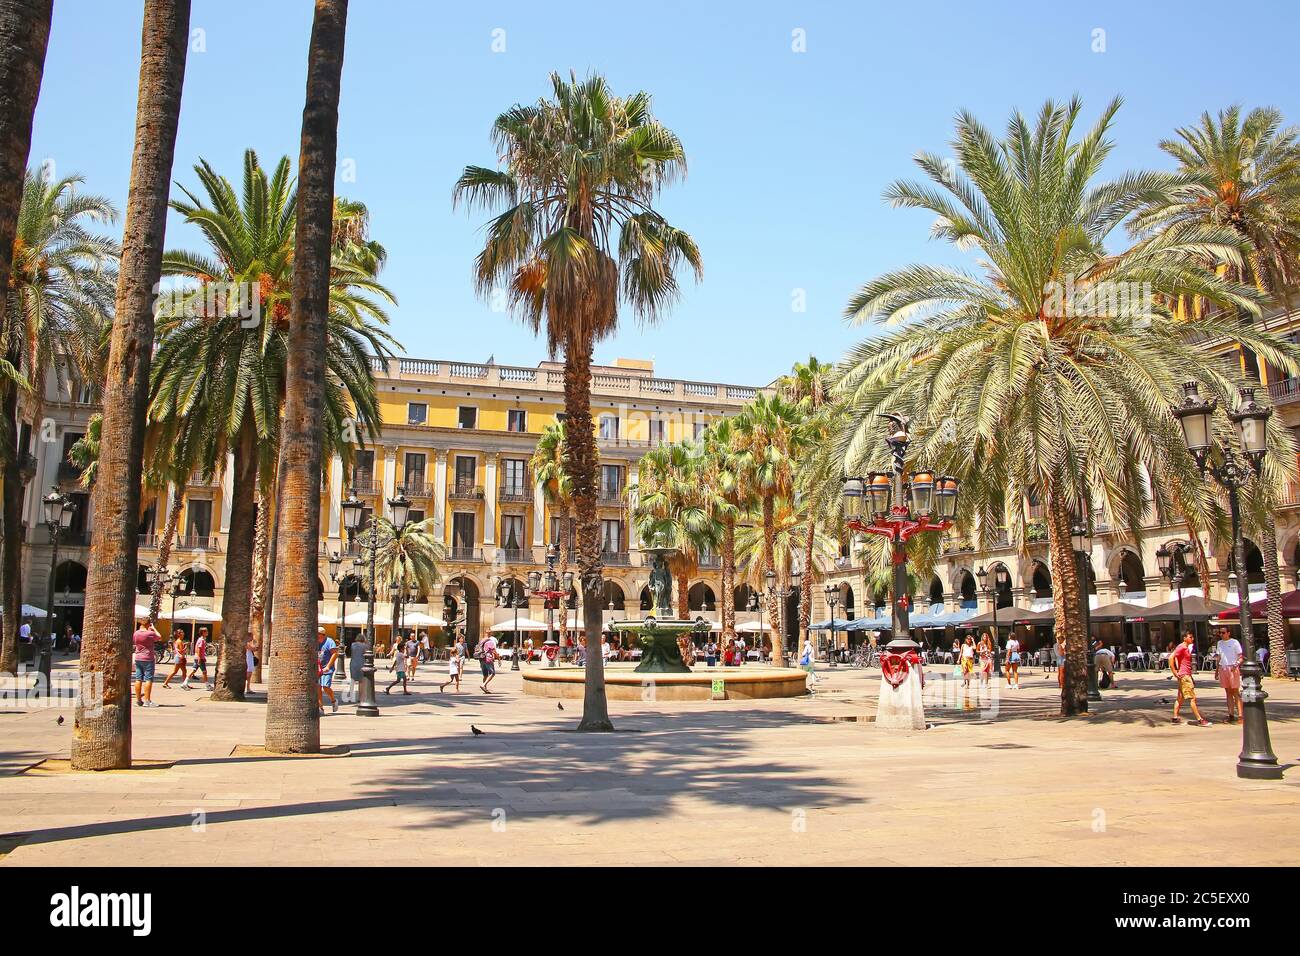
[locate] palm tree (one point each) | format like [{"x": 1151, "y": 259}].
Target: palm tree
[
  {"x": 673, "y": 509},
  {"x": 60, "y": 292},
  {"x": 730, "y": 502},
  {"x": 769, "y": 441},
  {"x": 101, "y": 738},
  {"x": 548, "y": 467},
  {"x": 219, "y": 378},
  {"x": 24, "y": 35},
  {"x": 577, "y": 234},
  {"x": 809, "y": 386},
  {"x": 291, "y": 716},
  {"x": 410, "y": 555},
  {"x": 1243, "y": 173},
  {"x": 1051, "y": 374}
]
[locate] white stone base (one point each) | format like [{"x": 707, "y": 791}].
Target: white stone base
[{"x": 901, "y": 708}]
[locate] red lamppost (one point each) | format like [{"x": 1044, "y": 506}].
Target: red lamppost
[
  {"x": 547, "y": 586},
  {"x": 899, "y": 510}
]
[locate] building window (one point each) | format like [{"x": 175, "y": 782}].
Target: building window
[
  {"x": 414, "y": 470},
  {"x": 417, "y": 413},
  {"x": 414, "y": 516},
  {"x": 561, "y": 533},
  {"x": 462, "y": 531},
  {"x": 198, "y": 518},
  {"x": 656, "y": 430},
  {"x": 514, "y": 476},
  {"x": 467, "y": 416},
  {"x": 363, "y": 468},
  {"x": 466, "y": 466},
  {"x": 512, "y": 532},
  {"x": 516, "y": 420},
  {"x": 700, "y": 429},
  {"x": 611, "y": 482},
  {"x": 611, "y": 536},
  {"x": 609, "y": 427}
]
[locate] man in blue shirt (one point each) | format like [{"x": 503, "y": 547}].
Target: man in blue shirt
[{"x": 328, "y": 652}]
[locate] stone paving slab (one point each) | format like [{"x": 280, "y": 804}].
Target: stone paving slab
[{"x": 808, "y": 781}]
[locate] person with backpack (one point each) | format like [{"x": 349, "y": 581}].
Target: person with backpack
[{"x": 486, "y": 652}]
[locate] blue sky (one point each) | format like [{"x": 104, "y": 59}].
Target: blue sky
[{"x": 789, "y": 151}]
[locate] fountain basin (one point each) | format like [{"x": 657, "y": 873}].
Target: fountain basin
[{"x": 624, "y": 682}]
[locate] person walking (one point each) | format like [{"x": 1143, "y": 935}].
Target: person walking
[
  {"x": 356, "y": 661},
  {"x": 1229, "y": 671},
  {"x": 453, "y": 673},
  {"x": 327, "y": 653},
  {"x": 250, "y": 662},
  {"x": 398, "y": 666},
  {"x": 200, "y": 660},
  {"x": 1182, "y": 664},
  {"x": 412, "y": 657},
  {"x": 144, "y": 657},
  {"x": 487, "y": 655},
  {"x": 985, "y": 654},
  {"x": 967, "y": 660},
  {"x": 178, "y": 660},
  {"x": 1013, "y": 662},
  {"x": 1058, "y": 652},
  {"x": 808, "y": 660}
]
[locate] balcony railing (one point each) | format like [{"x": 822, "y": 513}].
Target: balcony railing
[
  {"x": 474, "y": 555},
  {"x": 364, "y": 484},
  {"x": 466, "y": 492},
  {"x": 610, "y": 497},
  {"x": 515, "y": 493},
  {"x": 418, "y": 488},
  {"x": 618, "y": 559},
  {"x": 710, "y": 561},
  {"x": 183, "y": 542},
  {"x": 516, "y": 555},
  {"x": 1285, "y": 391},
  {"x": 198, "y": 481}
]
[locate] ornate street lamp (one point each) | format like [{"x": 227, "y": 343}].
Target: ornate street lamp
[
  {"x": 1000, "y": 579},
  {"x": 1081, "y": 541},
  {"x": 832, "y": 592},
  {"x": 58, "y": 510},
  {"x": 900, "y": 510},
  {"x": 1225, "y": 464},
  {"x": 546, "y": 585},
  {"x": 1172, "y": 559},
  {"x": 506, "y": 597},
  {"x": 342, "y": 579}
]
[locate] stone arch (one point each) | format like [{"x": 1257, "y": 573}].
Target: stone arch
[
  {"x": 1002, "y": 593},
  {"x": 198, "y": 581},
  {"x": 70, "y": 577},
  {"x": 1040, "y": 579},
  {"x": 700, "y": 597},
  {"x": 613, "y": 599},
  {"x": 743, "y": 596},
  {"x": 936, "y": 589}
]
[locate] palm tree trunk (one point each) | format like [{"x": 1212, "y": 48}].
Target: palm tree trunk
[
  {"x": 1277, "y": 626},
  {"x": 566, "y": 523},
  {"x": 237, "y": 598},
  {"x": 774, "y": 617},
  {"x": 165, "y": 552},
  {"x": 683, "y": 602},
  {"x": 101, "y": 736},
  {"x": 1065, "y": 597},
  {"x": 728, "y": 580},
  {"x": 292, "y": 724},
  {"x": 268, "y": 633},
  {"x": 580, "y": 462},
  {"x": 261, "y": 540},
  {"x": 24, "y": 34},
  {"x": 805, "y": 587}
]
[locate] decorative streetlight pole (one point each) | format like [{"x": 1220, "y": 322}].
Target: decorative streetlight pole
[
  {"x": 58, "y": 510},
  {"x": 1172, "y": 559},
  {"x": 1250, "y": 421},
  {"x": 832, "y": 601},
  {"x": 341, "y": 578},
  {"x": 506, "y": 597},
  {"x": 769, "y": 588},
  {"x": 1000, "y": 579},
  {"x": 933, "y": 505},
  {"x": 546, "y": 585},
  {"x": 1080, "y": 541},
  {"x": 353, "y": 509}
]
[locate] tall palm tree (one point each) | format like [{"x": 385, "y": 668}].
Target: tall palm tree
[
  {"x": 1242, "y": 172},
  {"x": 410, "y": 555},
  {"x": 219, "y": 379},
  {"x": 291, "y": 718},
  {"x": 24, "y": 35},
  {"x": 101, "y": 737},
  {"x": 577, "y": 234},
  {"x": 1051, "y": 374},
  {"x": 674, "y": 508},
  {"x": 808, "y": 385},
  {"x": 769, "y": 441},
  {"x": 730, "y": 501},
  {"x": 548, "y": 466}
]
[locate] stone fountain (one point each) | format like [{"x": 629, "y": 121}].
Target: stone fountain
[{"x": 657, "y": 635}]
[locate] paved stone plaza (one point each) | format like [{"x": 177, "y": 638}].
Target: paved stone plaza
[{"x": 808, "y": 781}]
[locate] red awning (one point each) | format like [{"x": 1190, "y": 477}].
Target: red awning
[{"x": 1258, "y": 609}]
